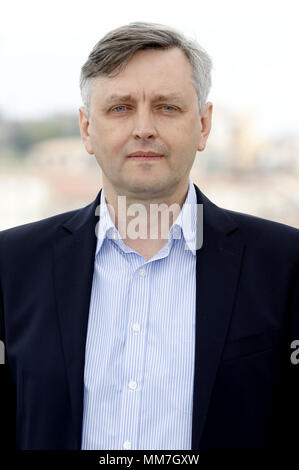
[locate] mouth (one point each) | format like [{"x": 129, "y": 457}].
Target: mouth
[
  {"x": 145, "y": 156},
  {"x": 142, "y": 158}
]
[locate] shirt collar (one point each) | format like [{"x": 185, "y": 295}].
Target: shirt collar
[{"x": 185, "y": 222}]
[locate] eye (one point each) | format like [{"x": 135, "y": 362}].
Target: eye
[
  {"x": 168, "y": 106},
  {"x": 117, "y": 107}
]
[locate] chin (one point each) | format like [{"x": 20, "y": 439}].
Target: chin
[{"x": 148, "y": 185}]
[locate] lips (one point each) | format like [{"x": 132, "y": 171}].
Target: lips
[{"x": 141, "y": 154}]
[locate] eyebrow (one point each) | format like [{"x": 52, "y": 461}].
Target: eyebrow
[{"x": 158, "y": 97}]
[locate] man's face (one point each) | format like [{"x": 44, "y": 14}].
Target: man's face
[{"x": 156, "y": 109}]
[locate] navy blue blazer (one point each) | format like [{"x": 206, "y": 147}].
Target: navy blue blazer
[{"x": 246, "y": 387}]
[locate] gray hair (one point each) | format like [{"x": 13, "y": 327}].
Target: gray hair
[{"x": 115, "y": 49}]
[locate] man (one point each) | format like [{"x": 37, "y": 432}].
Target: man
[{"x": 121, "y": 342}]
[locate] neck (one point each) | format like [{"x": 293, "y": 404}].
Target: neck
[{"x": 149, "y": 219}]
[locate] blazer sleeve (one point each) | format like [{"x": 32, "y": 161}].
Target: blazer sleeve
[{"x": 7, "y": 387}]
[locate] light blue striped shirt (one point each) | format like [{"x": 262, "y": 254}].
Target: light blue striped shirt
[{"x": 139, "y": 357}]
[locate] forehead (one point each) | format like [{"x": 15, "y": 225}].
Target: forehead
[{"x": 152, "y": 72}]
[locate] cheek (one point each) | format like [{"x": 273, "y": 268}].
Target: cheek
[
  {"x": 106, "y": 139},
  {"x": 184, "y": 146},
  {"x": 183, "y": 137}
]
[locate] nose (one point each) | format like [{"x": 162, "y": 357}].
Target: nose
[{"x": 144, "y": 127}]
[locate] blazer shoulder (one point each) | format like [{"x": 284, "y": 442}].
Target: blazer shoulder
[
  {"x": 266, "y": 233},
  {"x": 40, "y": 229},
  {"x": 254, "y": 221}
]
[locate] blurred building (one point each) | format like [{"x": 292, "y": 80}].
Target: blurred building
[
  {"x": 23, "y": 197},
  {"x": 73, "y": 175}
]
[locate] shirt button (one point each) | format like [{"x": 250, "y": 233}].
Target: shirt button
[
  {"x": 136, "y": 328},
  {"x": 132, "y": 385},
  {"x": 142, "y": 272},
  {"x": 127, "y": 445},
  {"x": 114, "y": 236}
]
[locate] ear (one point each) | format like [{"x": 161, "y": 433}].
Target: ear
[
  {"x": 84, "y": 129},
  {"x": 206, "y": 122}
]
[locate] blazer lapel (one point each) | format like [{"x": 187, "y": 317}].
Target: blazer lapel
[
  {"x": 74, "y": 251},
  {"x": 218, "y": 264}
]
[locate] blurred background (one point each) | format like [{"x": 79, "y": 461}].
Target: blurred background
[{"x": 251, "y": 162}]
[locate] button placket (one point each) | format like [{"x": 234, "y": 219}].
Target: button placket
[{"x": 134, "y": 355}]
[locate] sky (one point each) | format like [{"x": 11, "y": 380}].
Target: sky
[{"x": 253, "y": 46}]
